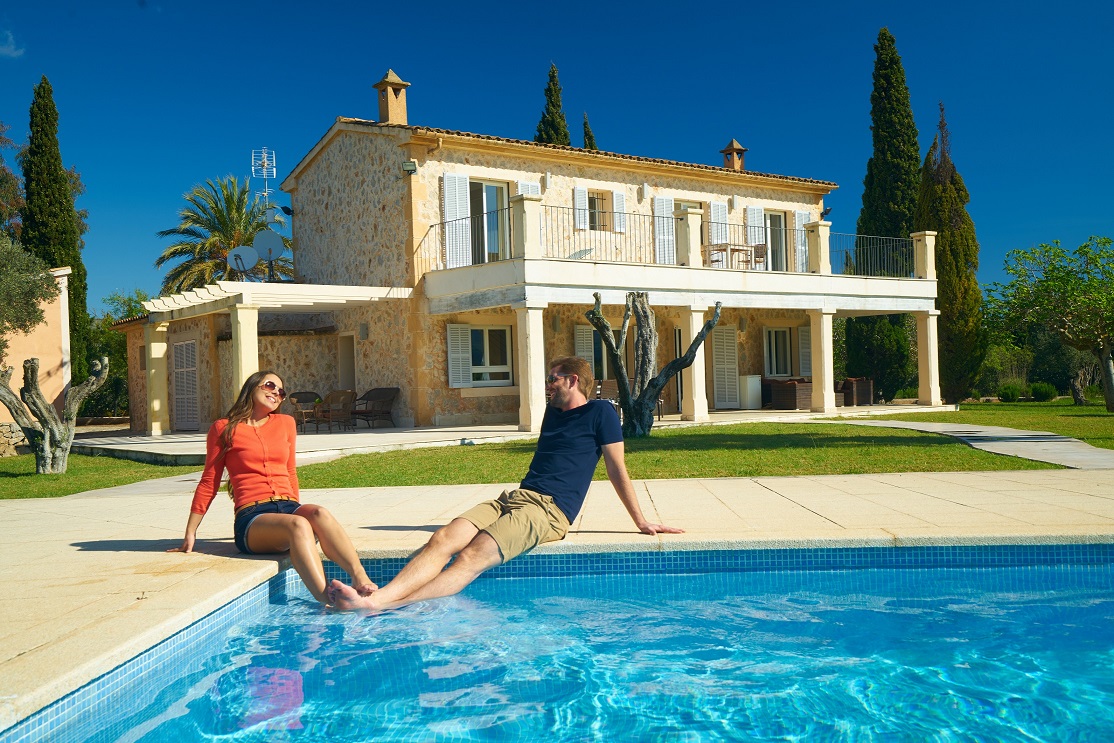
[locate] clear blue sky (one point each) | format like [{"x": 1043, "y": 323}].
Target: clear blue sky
[{"x": 158, "y": 95}]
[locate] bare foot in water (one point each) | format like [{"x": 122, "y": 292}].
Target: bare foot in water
[{"x": 346, "y": 598}]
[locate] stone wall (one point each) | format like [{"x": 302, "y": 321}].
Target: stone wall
[
  {"x": 350, "y": 227},
  {"x": 137, "y": 378},
  {"x": 11, "y": 436}
]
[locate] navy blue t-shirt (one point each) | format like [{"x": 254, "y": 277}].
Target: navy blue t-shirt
[{"x": 569, "y": 448}]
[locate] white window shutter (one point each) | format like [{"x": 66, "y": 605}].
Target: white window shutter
[
  {"x": 725, "y": 367},
  {"x": 801, "y": 219},
  {"x": 619, "y": 206},
  {"x": 718, "y": 226},
  {"x": 585, "y": 346},
  {"x": 665, "y": 234},
  {"x": 756, "y": 226},
  {"x": 804, "y": 345},
  {"x": 185, "y": 386},
  {"x": 526, "y": 187},
  {"x": 458, "y": 233},
  {"x": 580, "y": 208},
  {"x": 460, "y": 355}
]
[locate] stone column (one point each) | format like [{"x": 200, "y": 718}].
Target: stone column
[
  {"x": 924, "y": 255},
  {"x": 532, "y": 369},
  {"x": 693, "y": 379},
  {"x": 526, "y": 217},
  {"x": 688, "y": 237},
  {"x": 928, "y": 358},
  {"x": 819, "y": 251},
  {"x": 158, "y": 389},
  {"x": 823, "y": 365},
  {"x": 245, "y": 345}
]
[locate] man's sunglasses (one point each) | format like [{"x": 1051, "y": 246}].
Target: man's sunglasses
[
  {"x": 551, "y": 378},
  {"x": 272, "y": 387}
]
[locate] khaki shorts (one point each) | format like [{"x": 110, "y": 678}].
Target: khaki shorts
[{"x": 519, "y": 520}]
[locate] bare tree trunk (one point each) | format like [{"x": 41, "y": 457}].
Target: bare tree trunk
[
  {"x": 1106, "y": 363},
  {"x": 49, "y": 437},
  {"x": 1077, "y": 388},
  {"x": 640, "y": 402}
]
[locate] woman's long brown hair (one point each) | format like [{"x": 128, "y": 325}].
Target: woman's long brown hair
[{"x": 241, "y": 409}]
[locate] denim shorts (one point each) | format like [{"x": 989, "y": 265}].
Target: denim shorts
[{"x": 245, "y": 516}]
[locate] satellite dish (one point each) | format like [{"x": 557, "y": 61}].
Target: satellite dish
[
  {"x": 268, "y": 244},
  {"x": 243, "y": 259}
]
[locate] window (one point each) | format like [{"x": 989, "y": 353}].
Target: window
[
  {"x": 775, "y": 232},
  {"x": 477, "y": 221},
  {"x": 479, "y": 356},
  {"x": 599, "y": 210},
  {"x": 778, "y": 361},
  {"x": 487, "y": 204}
]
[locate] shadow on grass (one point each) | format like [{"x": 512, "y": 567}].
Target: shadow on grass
[{"x": 666, "y": 441}]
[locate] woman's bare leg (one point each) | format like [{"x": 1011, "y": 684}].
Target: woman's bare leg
[
  {"x": 279, "y": 532},
  {"x": 337, "y": 546}
]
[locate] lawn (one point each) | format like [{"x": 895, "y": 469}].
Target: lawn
[
  {"x": 743, "y": 450},
  {"x": 1090, "y": 423},
  {"x": 18, "y": 478}
]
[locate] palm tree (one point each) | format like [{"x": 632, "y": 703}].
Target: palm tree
[{"x": 217, "y": 218}]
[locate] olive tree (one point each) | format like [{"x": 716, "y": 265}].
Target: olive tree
[{"x": 638, "y": 398}]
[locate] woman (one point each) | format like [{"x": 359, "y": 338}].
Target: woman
[{"x": 256, "y": 445}]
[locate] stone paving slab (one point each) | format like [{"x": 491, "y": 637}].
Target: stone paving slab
[{"x": 88, "y": 584}]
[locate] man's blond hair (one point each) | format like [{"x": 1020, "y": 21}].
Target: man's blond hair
[{"x": 582, "y": 369}]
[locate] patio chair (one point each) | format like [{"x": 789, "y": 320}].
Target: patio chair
[
  {"x": 375, "y": 405},
  {"x": 336, "y": 408},
  {"x": 303, "y": 408},
  {"x": 759, "y": 255}
]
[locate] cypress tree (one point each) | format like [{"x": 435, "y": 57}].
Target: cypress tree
[
  {"x": 50, "y": 224},
  {"x": 942, "y": 206},
  {"x": 553, "y": 128},
  {"x": 889, "y": 202},
  {"x": 589, "y": 138}
]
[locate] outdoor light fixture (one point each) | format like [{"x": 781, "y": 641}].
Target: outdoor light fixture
[{"x": 410, "y": 167}]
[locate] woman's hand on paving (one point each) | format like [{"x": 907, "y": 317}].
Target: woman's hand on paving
[{"x": 187, "y": 545}]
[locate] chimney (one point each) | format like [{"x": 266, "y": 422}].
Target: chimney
[
  {"x": 392, "y": 99},
  {"x": 733, "y": 156}
]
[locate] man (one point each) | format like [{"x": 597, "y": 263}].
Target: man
[{"x": 575, "y": 432}]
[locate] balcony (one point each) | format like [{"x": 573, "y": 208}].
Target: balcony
[{"x": 527, "y": 229}]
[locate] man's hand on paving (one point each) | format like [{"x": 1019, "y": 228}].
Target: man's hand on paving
[{"x": 652, "y": 529}]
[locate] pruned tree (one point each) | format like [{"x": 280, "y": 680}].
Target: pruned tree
[
  {"x": 639, "y": 399},
  {"x": 553, "y": 128},
  {"x": 50, "y": 437},
  {"x": 589, "y": 137}
]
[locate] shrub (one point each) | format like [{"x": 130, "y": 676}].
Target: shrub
[
  {"x": 1009, "y": 393},
  {"x": 1043, "y": 391},
  {"x": 908, "y": 393}
]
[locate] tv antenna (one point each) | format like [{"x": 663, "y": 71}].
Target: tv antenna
[{"x": 263, "y": 166}]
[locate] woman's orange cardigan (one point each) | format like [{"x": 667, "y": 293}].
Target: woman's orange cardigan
[{"x": 260, "y": 463}]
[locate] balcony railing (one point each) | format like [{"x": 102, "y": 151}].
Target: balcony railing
[
  {"x": 581, "y": 234},
  {"x": 622, "y": 237},
  {"x": 468, "y": 241},
  {"x": 865, "y": 255}
]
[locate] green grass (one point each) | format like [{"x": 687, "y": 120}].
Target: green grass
[
  {"x": 18, "y": 478},
  {"x": 1090, "y": 423},
  {"x": 744, "y": 450}
]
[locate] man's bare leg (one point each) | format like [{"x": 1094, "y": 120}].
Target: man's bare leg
[
  {"x": 480, "y": 555},
  {"x": 422, "y": 568}
]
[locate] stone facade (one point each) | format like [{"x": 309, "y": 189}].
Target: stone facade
[{"x": 11, "y": 436}]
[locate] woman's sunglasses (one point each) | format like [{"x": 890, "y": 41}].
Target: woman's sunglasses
[{"x": 272, "y": 387}]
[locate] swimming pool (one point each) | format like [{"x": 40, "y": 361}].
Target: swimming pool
[{"x": 975, "y": 643}]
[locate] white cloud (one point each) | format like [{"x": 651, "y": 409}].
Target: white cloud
[{"x": 7, "y": 47}]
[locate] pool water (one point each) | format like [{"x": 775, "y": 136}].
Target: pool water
[{"x": 1003, "y": 654}]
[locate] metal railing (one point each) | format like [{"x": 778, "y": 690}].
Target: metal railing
[
  {"x": 866, "y": 255},
  {"x": 468, "y": 241},
  {"x": 580, "y": 234},
  {"x": 754, "y": 248}
]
